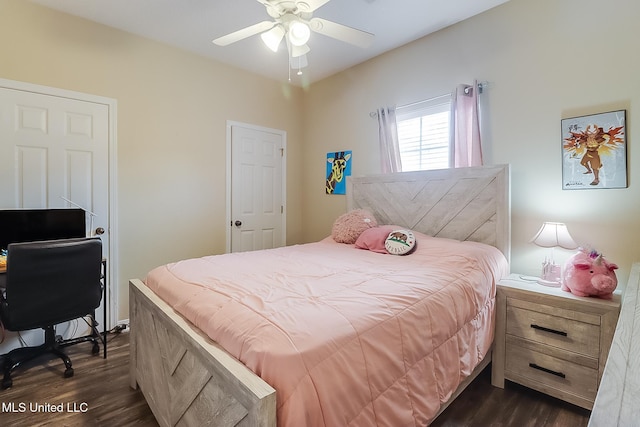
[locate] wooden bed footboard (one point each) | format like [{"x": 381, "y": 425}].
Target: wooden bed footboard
[{"x": 186, "y": 378}]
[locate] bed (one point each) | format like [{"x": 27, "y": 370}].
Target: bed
[{"x": 331, "y": 361}]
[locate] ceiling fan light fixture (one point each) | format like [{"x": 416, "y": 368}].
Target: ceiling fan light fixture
[
  {"x": 293, "y": 21},
  {"x": 298, "y": 51},
  {"x": 273, "y": 37},
  {"x": 299, "y": 33}
]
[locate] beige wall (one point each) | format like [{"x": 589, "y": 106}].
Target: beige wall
[
  {"x": 172, "y": 113},
  {"x": 545, "y": 60}
]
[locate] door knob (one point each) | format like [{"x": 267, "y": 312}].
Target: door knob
[
  {"x": 238, "y": 223},
  {"x": 99, "y": 231}
]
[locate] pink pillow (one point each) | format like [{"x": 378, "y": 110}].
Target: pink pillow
[
  {"x": 348, "y": 227},
  {"x": 374, "y": 239}
]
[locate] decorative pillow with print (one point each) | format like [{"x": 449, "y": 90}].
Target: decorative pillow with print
[{"x": 400, "y": 242}]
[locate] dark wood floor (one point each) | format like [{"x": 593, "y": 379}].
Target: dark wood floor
[
  {"x": 99, "y": 395},
  {"x": 482, "y": 405},
  {"x": 100, "y": 384}
]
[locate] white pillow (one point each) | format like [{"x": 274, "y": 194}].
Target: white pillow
[{"x": 400, "y": 242}]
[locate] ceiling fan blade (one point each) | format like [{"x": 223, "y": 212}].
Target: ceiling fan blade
[
  {"x": 341, "y": 32},
  {"x": 244, "y": 33},
  {"x": 310, "y": 5}
]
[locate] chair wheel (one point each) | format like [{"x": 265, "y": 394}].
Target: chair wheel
[
  {"x": 95, "y": 349},
  {"x": 7, "y": 383},
  {"x": 68, "y": 372}
]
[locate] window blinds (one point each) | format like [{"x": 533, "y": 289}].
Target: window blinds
[{"x": 423, "y": 134}]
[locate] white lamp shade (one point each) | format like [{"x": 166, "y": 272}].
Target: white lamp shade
[
  {"x": 553, "y": 234},
  {"x": 273, "y": 37},
  {"x": 297, "y": 51},
  {"x": 299, "y": 33}
]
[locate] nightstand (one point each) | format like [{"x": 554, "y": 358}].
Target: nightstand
[{"x": 551, "y": 340}]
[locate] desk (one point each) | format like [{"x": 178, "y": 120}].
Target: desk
[{"x": 3, "y": 276}]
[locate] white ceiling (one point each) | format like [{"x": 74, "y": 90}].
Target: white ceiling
[{"x": 192, "y": 24}]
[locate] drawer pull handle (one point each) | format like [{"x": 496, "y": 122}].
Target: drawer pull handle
[
  {"x": 549, "y": 371},
  {"x": 553, "y": 331}
]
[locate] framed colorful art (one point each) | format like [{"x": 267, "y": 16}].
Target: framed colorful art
[
  {"x": 338, "y": 166},
  {"x": 594, "y": 151}
]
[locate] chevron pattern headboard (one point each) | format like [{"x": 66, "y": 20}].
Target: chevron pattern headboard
[{"x": 458, "y": 203}]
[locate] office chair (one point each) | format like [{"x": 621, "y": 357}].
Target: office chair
[{"x": 48, "y": 283}]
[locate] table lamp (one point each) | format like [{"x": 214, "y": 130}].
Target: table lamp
[{"x": 551, "y": 235}]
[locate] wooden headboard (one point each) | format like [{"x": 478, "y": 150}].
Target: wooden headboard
[{"x": 458, "y": 203}]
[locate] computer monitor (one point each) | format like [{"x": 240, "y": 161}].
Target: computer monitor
[{"x": 30, "y": 225}]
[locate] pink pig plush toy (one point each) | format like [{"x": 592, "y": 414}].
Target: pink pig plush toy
[{"x": 587, "y": 273}]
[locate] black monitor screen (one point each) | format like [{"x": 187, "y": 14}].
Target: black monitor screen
[{"x": 30, "y": 225}]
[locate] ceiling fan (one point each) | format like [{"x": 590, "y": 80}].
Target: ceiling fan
[{"x": 293, "y": 21}]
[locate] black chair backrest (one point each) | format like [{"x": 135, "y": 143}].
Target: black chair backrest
[{"x": 51, "y": 282}]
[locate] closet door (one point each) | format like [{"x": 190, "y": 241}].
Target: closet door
[
  {"x": 257, "y": 217},
  {"x": 54, "y": 153}
]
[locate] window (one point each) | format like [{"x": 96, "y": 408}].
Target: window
[{"x": 423, "y": 134}]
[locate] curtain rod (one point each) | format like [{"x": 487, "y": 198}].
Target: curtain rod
[
  {"x": 435, "y": 98},
  {"x": 481, "y": 87},
  {"x": 374, "y": 114}
]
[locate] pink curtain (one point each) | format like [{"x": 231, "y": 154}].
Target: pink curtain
[
  {"x": 388, "y": 136},
  {"x": 465, "y": 127}
]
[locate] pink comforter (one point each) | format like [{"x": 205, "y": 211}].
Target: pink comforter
[{"x": 346, "y": 336}]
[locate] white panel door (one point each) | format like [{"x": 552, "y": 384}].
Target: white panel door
[
  {"x": 54, "y": 148},
  {"x": 257, "y": 188}
]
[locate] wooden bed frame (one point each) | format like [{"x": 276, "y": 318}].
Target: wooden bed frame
[{"x": 187, "y": 379}]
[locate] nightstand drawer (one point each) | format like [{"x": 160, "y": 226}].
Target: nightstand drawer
[
  {"x": 557, "y": 331},
  {"x": 547, "y": 373}
]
